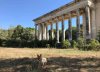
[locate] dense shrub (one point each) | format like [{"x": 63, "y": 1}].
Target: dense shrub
[
  {"x": 93, "y": 44},
  {"x": 97, "y": 48},
  {"x": 59, "y": 45},
  {"x": 80, "y": 43},
  {"x": 43, "y": 43},
  {"x": 47, "y": 45},
  {"x": 65, "y": 44},
  {"x": 88, "y": 45},
  {"x": 24, "y": 43},
  {"x": 74, "y": 44},
  {"x": 3, "y": 42},
  {"x": 52, "y": 43},
  {"x": 0, "y": 42},
  {"x": 12, "y": 43}
]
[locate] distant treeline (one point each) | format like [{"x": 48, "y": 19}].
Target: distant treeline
[
  {"x": 25, "y": 37},
  {"x": 16, "y": 36}
]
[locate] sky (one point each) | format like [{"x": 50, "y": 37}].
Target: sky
[{"x": 15, "y": 12}]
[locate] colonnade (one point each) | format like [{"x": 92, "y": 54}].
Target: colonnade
[{"x": 43, "y": 27}]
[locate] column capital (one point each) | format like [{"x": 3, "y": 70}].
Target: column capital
[
  {"x": 51, "y": 20},
  {"x": 69, "y": 14},
  {"x": 63, "y": 17},
  {"x": 42, "y": 23},
  {"x": 78, "y": 12},
  {"x": 56, "y": 19}
]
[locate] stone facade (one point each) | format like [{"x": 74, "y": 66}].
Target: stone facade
[{"x": 88, "y": 9}]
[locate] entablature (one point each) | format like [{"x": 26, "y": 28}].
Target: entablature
[{"x": 64, "y": 10}]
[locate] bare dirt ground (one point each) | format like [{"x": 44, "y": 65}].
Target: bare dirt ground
[{"x": 59, "y": 60}]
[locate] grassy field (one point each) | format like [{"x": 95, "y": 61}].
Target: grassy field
[
  {"x": 59, "y": 60},
  {"x": 6, "y": 53}
]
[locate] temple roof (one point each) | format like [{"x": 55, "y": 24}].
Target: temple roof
[{"x": 58, "y": 9}]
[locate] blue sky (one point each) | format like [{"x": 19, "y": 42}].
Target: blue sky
[{"x": 15, "y": 12}]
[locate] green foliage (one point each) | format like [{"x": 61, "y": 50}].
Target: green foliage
[
  {"x": 65, "y": 44},
  {"x": 80, "y": 43},
  {"x": 17, "y": 37},
  {"x": 89, "y": 45},
  {"x": 12, "y": 43},
  {"x": 48, "y": 45},
  {"x": 22, "y": 36},
  {"x": 21, "y": 33},
  {"x": 93, "y": 44},
  {"x": 18, "y": 31},
  {"x": 3, "y": 34},
  {"x": 74, "y": 44},
  {"x": 0, "y": 42},
  {"x": 25, "y": 37},
  {"x": 52, "y": 43}
]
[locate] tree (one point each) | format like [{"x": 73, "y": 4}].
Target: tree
[
  {"x": 22, "y": 35},
  {"x": 3, "y": 34},
  {"x": 26, "y": 35},
  {"x": 18, "y": 32},
  {"x": 10, "y": 32}
]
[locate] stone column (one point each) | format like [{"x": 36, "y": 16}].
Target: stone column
[
  {"x": 43, "y": 31},
  {"x": 63, "y": 29},
  {"x": 51, "y": 31},
  {"x": 93, "y": 26},
  {"x": 88, "y": 22},
  {"x": 35, "y": 31},
  {"x": 70, "y": 29},
  {"x": 84, "y": 26},
  {"x": 47, "y": 32},
  {"x": 78, "y": 24},
  {"x": 40, "y": 32},
  {"x": 48, "y": 35},
  {"x": 57, "y": 31}
]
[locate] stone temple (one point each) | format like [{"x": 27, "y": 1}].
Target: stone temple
[{"x": 88, "y": 9}]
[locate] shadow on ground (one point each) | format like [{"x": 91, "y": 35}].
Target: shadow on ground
[{"x": 55, "y": 64}]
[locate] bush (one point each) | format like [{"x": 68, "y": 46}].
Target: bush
[
  {"x": 47, "y": 45},
  {"x": 12, "y": 43},
  {"x": 52, "y": 43},
  {"x": 44, "y": 43},
  {"x": 97, "y": 48},
  {"x": 0, "y": 42},
  {"x": 65, "y": 44},
  {"x": 94, "y": 44},
  {"x": 89, "y": 45},
  {"x": 59, "y": 45},
  {"x": 80, "y": 43},
  {"x": 86, "y": 47},
  {"x": 74, "y": 44}
]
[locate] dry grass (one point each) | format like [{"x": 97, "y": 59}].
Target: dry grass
[
  {"x": 59, "y": 60},
  {"x": 6, "y": 53}
]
